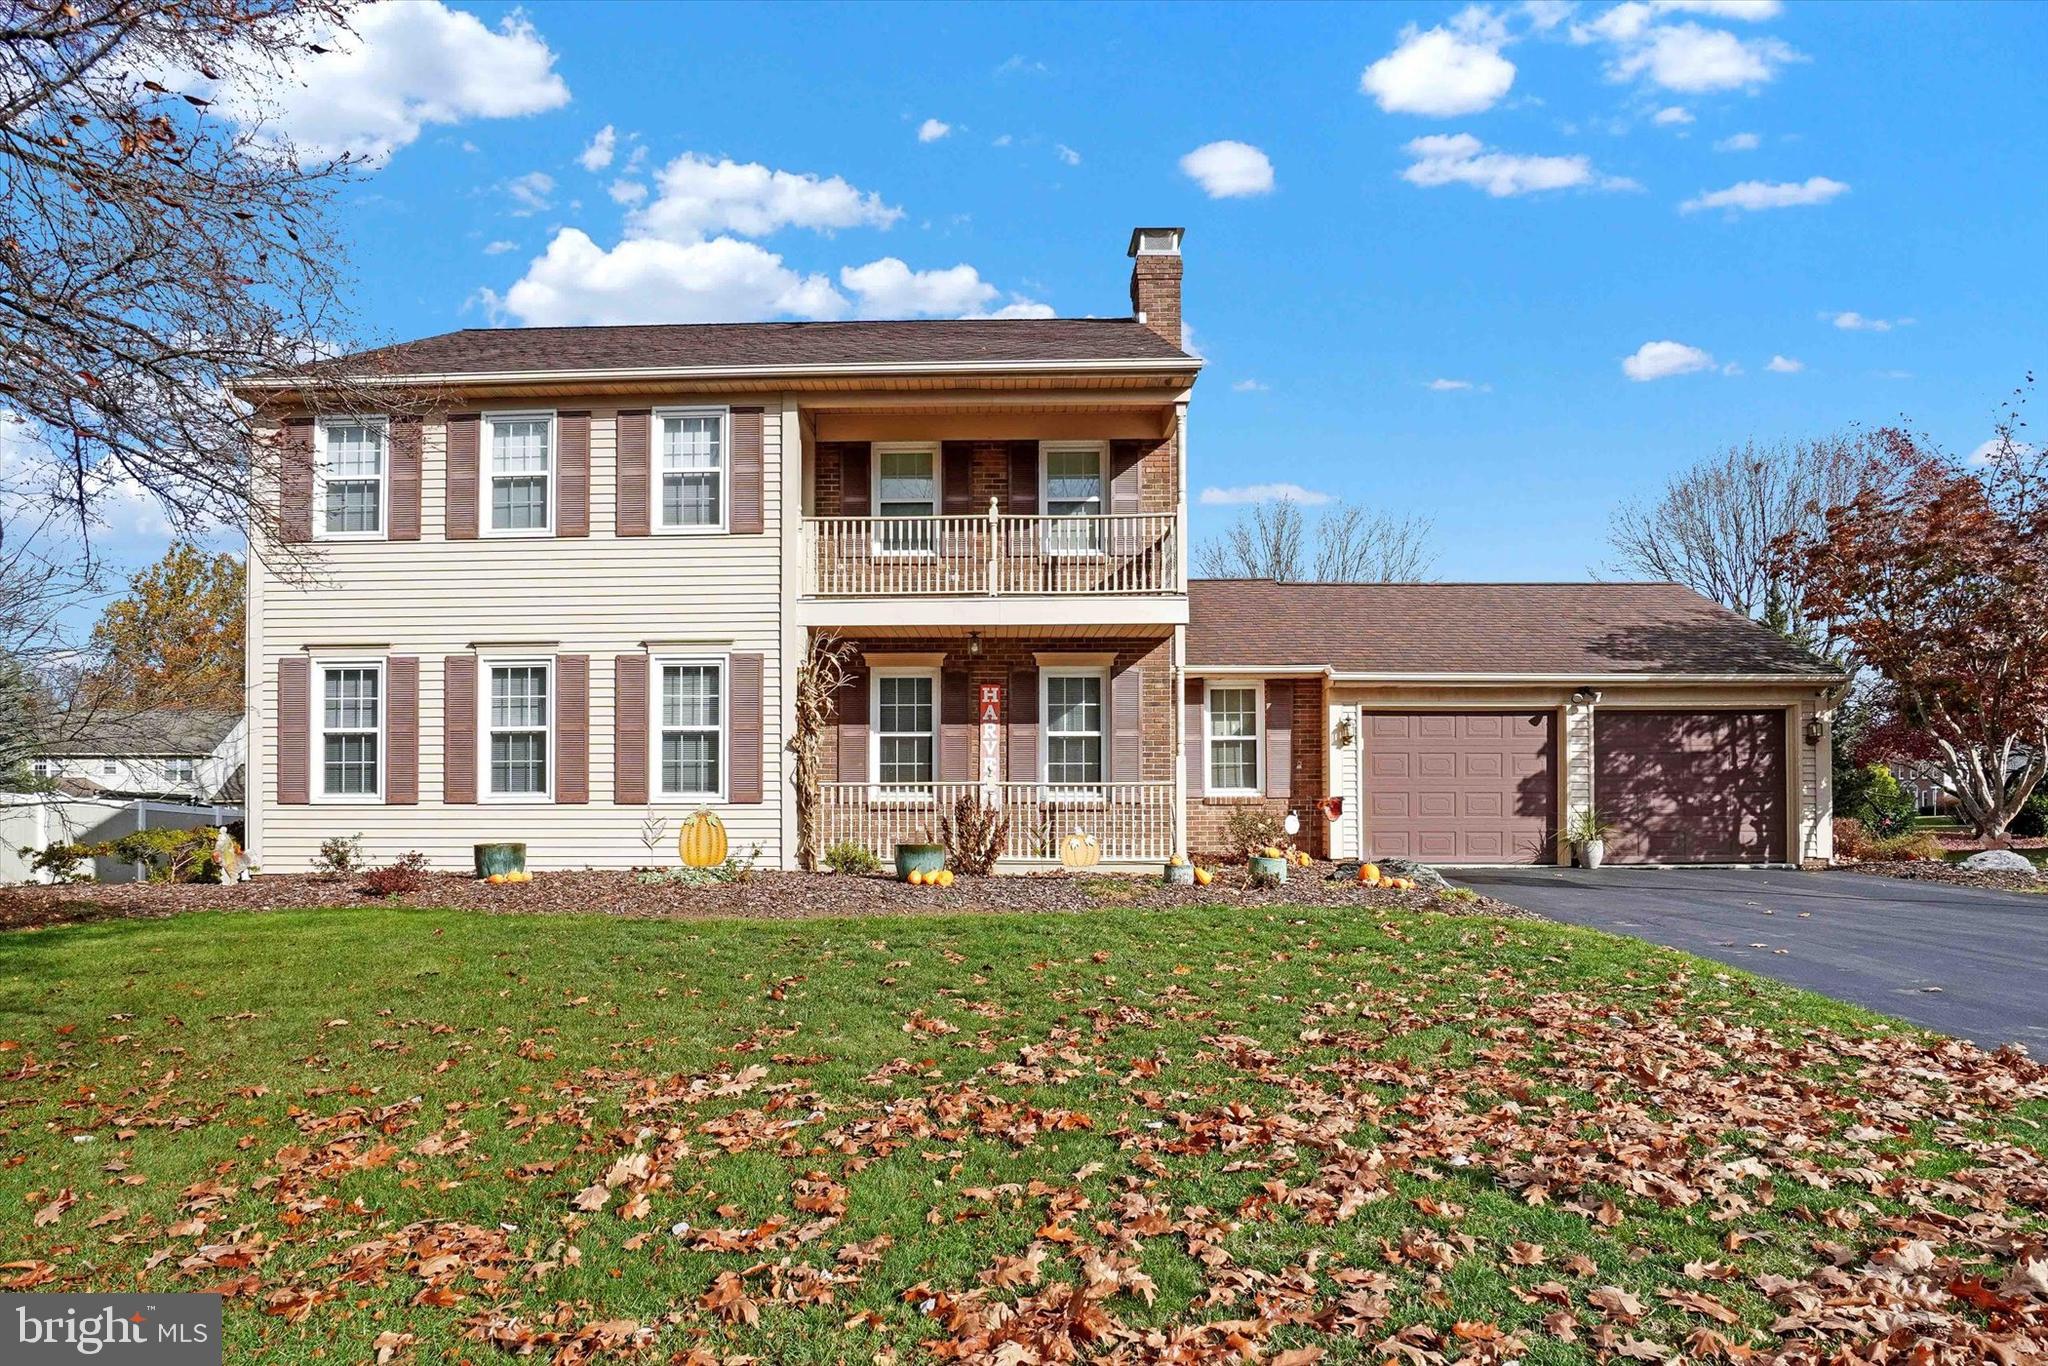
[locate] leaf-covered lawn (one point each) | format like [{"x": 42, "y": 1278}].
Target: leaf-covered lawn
[{"x": 1140, "y": 1136}]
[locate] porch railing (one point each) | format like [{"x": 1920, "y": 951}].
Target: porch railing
[
  {"x": 1131, "y": 822},
  {"x": 992, "y": 555}
]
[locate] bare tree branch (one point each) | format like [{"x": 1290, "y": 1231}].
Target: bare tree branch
[{"x": 1349, "y": 544}]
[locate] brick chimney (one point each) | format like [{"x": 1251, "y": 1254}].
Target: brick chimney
[{"x": 1155, "y": 280}]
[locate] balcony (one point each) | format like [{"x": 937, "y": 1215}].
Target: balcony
[{"x": 1131, "y": 822}]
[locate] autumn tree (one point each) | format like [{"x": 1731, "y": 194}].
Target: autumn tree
[
  {"x": 176, "y": 639},
  {"x": 1347, "y": 543},
  {"x": 1936, "y": 575}
]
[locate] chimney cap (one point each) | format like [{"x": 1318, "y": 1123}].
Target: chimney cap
[{"x": 1156, "y": 241}]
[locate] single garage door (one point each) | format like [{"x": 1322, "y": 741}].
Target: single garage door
[
  {"x": 1461, "y": 787},
  {"x": 1691, "y": 786}
]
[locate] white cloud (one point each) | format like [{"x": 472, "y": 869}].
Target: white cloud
[
  {"x": 1018, "y": 307},
  {"x": 404, "y": 67},
  {"x": 628, "y": 192},
  {"x": 500, "y": 247},
  {"x": 1001, "y": 140},
  {"x": 1440, "y": 73},
  {"x": 890, "y": 289},
  {"x": 1749, "y": 11},
  {"x": 1229, "y": 170},
  {"x": 1685, "y": 56},
  {"x": 1856, "y": 322},
  {"x": 697, "y": 196},
  {"x": 1750, "y": 196},
  {"x": 1738, "y": 142},
  {"x": 598, "y": 154},
  {"x": 1785, "y": 365},
  {"x": 532, "y": 192},
  {"x": 1461, "y": 159},
  {"x": 1263, "y": 493},
  {"x": 1989, "y": 449},
  {"x": 1251, "y": 386},
  {"x": 1663, "y": 359},
  {"x": 647, "y": 280},
  {"x": 1545, "y": 15},
  {"x": 1018, "y": 64},
  {"x": 1673, "y": 115},
  {"x": 1451, "y": 386},
  {"x": 1066, "y": 154},
  {"x": 931, "y": 130}
]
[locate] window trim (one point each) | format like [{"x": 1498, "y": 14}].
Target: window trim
[
  {"x": 320, "y": 479},
  {"x": 1048, "y": 790},
  {"x": 876, "y": 519},
  {"x": 1093, "y": 548},
  {"x": 1257, "y": 688},
  {"x": 902, "y": 794},
  {"x": 486, "y": 477},
  {"x": 485, "y": 664},
  {"x": 657, "y": 663},
  {"x": 317, "y": 745},
  {"x": 724, "y": 416},
  {"x": 191, "y": 765},
  {"x": 44, "y": 767}
]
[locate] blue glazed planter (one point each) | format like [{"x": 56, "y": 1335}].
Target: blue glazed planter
[
  {"x": 1269, "y": 869},
  {"x": 919, "y": 858},
  {"x": 499, "y": 858}
]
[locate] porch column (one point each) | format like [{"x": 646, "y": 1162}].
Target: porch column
[
  {"x": 794, "y": 462},
  {"x": 1179, "y": 731}
]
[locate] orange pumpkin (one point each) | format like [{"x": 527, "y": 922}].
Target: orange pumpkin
[
  {"x": 1203, "y": 877},
  {"x": 702, "y": 841},
  {"x": 1369, "y": 874}
]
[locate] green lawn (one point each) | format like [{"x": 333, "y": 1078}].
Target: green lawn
[{"x": 820, "y": 1141}]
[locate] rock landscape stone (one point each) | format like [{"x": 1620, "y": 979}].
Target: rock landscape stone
[{"x": 1998, "y": 861}]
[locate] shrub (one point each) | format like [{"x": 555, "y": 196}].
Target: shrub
[
  {"x": 974, "y": 835},
  {"x": 852, "y": 859},
  {"x": 1852, "y": 840},
  {"x": 60, "y": 860},
  {"x": 1907, "y": 848},
  {"x": 1885, "y": 807},
  {"x": 1250, "y": 829},
  {"x": 2032, "y": 822},
  {"x": 404, "y": 876},
  {"x": 169, "y": 855},
  {"x": 339, "y": 856}
]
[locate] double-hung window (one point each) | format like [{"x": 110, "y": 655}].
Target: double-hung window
[
  {"x": 693, "y": 470},
  {"x": 1074, "y": 487},
  {"x": 181, "y": 770},
  {"x": 43, "y": 768},
  {"x": 689, "y": 728},
  {"x": 520, "y": 475},
  {"x": 518, "y": 700},
  {"x": 906, "y": 730},
  {"x": 351, "y": 468},
  {"x": 351, "y": 731},
  {"x": 906, "y": 487},
  {"x": 1074, "y": 731},
  {"x": 1233, "y": 739}
]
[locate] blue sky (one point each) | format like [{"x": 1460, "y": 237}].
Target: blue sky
[{"x": 1514, "y": 199}]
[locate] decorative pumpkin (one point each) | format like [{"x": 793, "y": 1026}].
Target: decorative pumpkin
[
  {"x": 1080, "y": 851},
  {"x": 702, "y": 841},
  {"x": 1203, "y": 877},
  {"x": 1272, "y": 851},
  {"x": 1369, "y": 874},
  {"x": 916, "y": 878},
  {"x": 945, "y": 877}
]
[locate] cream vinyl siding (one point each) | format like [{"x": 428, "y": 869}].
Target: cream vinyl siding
[{"x": 602, "y": 595}]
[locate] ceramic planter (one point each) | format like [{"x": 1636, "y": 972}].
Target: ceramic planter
[
  {"x": 1269, "y": 870},
  {"x": 1591, "y": 853},
  {"x": 919, "y": 858},
  {"x": 492, "y": 859},
  {"x": 1180, "y": 874}
]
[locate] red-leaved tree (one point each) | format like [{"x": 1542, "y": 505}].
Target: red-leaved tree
[{"x": 1937, "y": 574}]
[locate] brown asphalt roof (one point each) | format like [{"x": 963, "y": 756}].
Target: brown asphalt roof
[
  {"x": 497, "y": 350},
  {"x": 173, "y": 731},
  {"x": 1470, "y": 628}
]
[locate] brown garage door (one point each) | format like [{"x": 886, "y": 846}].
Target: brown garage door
[
  {"x": 1691, "y": 786},
  {"x": 1461, "y": 787}
]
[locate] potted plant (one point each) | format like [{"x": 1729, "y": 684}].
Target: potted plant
[
  {"x": 920, "y": 857},
  {"x": 1587, "y": 834}
]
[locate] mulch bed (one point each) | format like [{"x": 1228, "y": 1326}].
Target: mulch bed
[
  {"x": 764, "y": 896},
  {"x": 1928, "y": 870}
]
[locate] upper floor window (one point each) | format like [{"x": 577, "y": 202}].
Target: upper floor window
[
  {"x": 906, "y": 728},
  {"x": 521, "y": 473},
  {"x": 350, "y": 473},
  {"x": 693, "y": 470},
  {"x": 350, "y": 731},
  {"x": 110, "y": 768},
  {"x": 518, "y": 706},
  {"x": 906, "y": 486},
  {"x": 1233, "y": 739},
  {"x": 1073, "y": 728},
  {"x": 690, "y": 731},
  {"x": 1073, "y": 487},
  {"x": 43, "y": 768},
  {"x": 181, "y": 770}
]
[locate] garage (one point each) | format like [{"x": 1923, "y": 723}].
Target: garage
[
  {"x": 1461, "y": 787},
  {"x": 1691, "y": 786}
]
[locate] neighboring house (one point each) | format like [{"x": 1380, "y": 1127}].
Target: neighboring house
[
  {"x": 575, "y": 590},
  {"x": 164, "y": 753}
]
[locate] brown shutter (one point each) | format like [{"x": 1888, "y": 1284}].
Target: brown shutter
[
  {"x": 853, "y": 726},
  {"x": 856, "y": 479},
  {"x": 572, "y": 729},
  {"x": 1194, "y": 736},
  {"x": 956, "y": 478},
  {"x": 295, "y": 482},
  {"x": 402, "y": 731},
  {"x": 405, "y": 479},
  {"x": 1126, "y": 696},
  {"x": 1023, "y": 478},
  {"x": 744, "y": 744},
  {"x": 747, "y": 517},
  {"x": 458, "y": 730},
  {"x": 464, "y": 431},
  {"x": 1023, "y": 758},
  {"x": 1127, "y": 465},
  {"x": 294, "y": 730},
  {"x": 1279, "y": 736},
  {"x": 956, "y": 728},
  {"x": 572, "y": 475},
  {"x": 630, "y": 719},
  {"x": 634, "y": 507}
]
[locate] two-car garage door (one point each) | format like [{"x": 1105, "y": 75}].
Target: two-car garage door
[{"x": 1482, "y": 787}]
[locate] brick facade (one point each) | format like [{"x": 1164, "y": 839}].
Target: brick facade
[
  {"x": 1307, "y": 780},
  {"x": 989, "y": 467}
]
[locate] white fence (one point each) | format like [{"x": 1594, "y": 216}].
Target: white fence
[
  {"x": 1121, "y": 554},
  {"x": 29, "y": 821},
  {"x": 1131, "y": 822}
]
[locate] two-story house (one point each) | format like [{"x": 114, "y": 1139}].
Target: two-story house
[{"x": 569, "y": 590}]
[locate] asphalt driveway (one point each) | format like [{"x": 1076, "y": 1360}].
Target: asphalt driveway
[{"x": 1956, "y": 959}]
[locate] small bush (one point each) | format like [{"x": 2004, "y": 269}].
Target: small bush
[
  {"x": 168, "y": 855},
  {"x": 1250, "y": 829},
  {"x": 2032, "y": 822},
  {"x": 851, "y": 859},
  {"x": 62, "y": 860},
  {"x": 1886, "y": 807},
  {"x": 974, "y": 835},
  {"x": 400, "y": 878},
  {"x": 1852, "y": 840},
  {"x": 736, "y": 868},
  {"x": 1905, "y": 849},
  {"x": 339, "y": 856}
]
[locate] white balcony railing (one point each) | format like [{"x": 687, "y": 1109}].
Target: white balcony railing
[
  {"x": 992, "y": 555},
  {"x": 1131, "y": 822}
]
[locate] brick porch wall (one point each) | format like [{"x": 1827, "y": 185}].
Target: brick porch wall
[
  {"x": 989, "y": 473},
  {"x": 1307, "y": 781}
]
